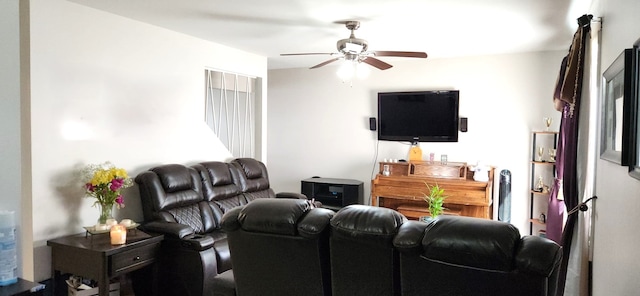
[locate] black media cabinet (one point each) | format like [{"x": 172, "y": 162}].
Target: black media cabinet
[{"x": 334, "y": 193}]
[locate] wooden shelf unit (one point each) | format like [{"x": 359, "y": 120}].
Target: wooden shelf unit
[
  {"x": 537, "y": 197},
  {"x": 403, "y": 189}
]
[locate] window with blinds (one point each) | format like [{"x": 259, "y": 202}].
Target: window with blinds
[{"x": 230, "y": 110}]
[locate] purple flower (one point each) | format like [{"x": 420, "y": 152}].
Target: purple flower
[
  {"x": 89, "y": 187},
  {"x": 120, "y": 200},
  {"x": 116, "y": 184}
]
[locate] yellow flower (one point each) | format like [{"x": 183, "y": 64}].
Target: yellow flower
[{"x": 105, "y": 182}]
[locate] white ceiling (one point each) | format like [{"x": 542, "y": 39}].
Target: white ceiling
[{"x": 442, "y": 28}]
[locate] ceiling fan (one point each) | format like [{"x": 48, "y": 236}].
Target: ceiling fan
[{"x": 355, "y": 49}]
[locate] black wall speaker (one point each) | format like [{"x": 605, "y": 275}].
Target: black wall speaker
[
  {"x": 372, "y": 123},
  {"x": 463, "y": 124}
]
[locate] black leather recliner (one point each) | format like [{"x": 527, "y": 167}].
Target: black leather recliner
[
  {"x": 173, "y": 205},
  {"x": 363, "y": 259},
  {"x": 470, "y": 256},
  {"x": 279, "y": 247},
  {"x": 186, "y": 204}
]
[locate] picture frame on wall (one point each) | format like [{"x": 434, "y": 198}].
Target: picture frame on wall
[
  {"x": 619, "y": 101},
  {"x": 634, "y": 137}
]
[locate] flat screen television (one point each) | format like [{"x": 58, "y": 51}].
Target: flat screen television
[{"x": 420, "y": 116}]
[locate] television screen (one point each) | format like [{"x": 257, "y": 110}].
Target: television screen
[{"x": 424, "y": 116}]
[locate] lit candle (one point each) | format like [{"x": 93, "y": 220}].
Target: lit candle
[{"x": 118, "y": 234}]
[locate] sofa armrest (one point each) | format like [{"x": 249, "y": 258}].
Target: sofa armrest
[
  {"x": 170, "y": 230},
  {"x": 537, "y": 255},
  {"x": 409, "y": 238},
  {"x": 181, "y": 234},
  {"x": 315, "y": 222},
  {"x": 293, "y": 195}
]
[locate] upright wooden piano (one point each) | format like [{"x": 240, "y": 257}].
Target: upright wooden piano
[{"x": 404, "y": 184}]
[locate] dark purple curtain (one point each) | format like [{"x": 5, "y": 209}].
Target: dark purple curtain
[{"x": 567, "y": 96}]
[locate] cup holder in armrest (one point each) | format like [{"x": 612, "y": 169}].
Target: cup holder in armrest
[{"x": 198, "y": 242}]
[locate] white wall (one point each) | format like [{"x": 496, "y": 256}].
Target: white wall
[
  {"x": 319, "y": 126},
  {"x": 10, "y": 175},
  {"x": 104, "y": 88},
  {"x": 615, "y": 257}
]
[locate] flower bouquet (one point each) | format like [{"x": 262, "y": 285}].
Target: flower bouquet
[{"x": 105, "y": 182}]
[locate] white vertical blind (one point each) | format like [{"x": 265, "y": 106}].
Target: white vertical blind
[{"x": 230, "y": 110}]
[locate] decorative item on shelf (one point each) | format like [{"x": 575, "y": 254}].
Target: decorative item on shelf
[
  {"x": 118, "y": 234},
  {"x": 106, "y": 228},
  {"x": 105, "y": 182},
  {"x": 435, "y": 200},
  {"x": 480, "y": 172},
  {"x": 415, "y": 152},
  {"x": 552, "y": 155},
  {"x": 385, "y": 170},
  {"x": 443, "y": 159},
  {"x": 543, "y": 218},
  {"x": 547, "y": 122},
  {"x": 540, "y": 185},
  {"x": 542, "y": 233},
  {"x": 540, "y": 153}
]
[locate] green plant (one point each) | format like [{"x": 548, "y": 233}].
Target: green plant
[{"x": 435, "y": 200}]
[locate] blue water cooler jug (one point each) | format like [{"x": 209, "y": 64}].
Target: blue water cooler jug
[{"x": 8, "y": 256}]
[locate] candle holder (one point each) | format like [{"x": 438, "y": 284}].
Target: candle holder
[{"x": 118, "y": 234}]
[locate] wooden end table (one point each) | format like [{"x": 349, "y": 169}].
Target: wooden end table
[
  {"x": 22, "y": 288},
  {"x": 94, "y": 257}
]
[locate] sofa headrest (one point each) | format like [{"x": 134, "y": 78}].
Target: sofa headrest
[
  {"x": 275, "y": 216},
  {"x": 372, "y": 223},
  {"x": 174, "y": 177},
  {"x": 217, "y": 183},
  {"x": 218, "y": 172},
  {"x": 251, "y": 167},
  {"x": 471, "y": 242},
  {"x": 168, "y": 187}
]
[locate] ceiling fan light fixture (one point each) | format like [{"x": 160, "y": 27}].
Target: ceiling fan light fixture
[
  {"x": 362, "y": 70},
  {"x": 346, "y": 70},
  {"x": 354, "y": 51},
  {"x": 352, "y": 68},
  {"x": 353, "y": 57},
  {"x": 353, "y": 47}
]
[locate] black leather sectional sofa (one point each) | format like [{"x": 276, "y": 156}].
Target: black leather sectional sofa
[{"x": 218, "y": 215}]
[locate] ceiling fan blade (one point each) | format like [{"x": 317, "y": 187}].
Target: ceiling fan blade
[
  {"x": 405, "y": 54},
  {"x": 376, "y": 63},
  {"x": 324, "y": 63},
  {"x": 307, "y": 53}
]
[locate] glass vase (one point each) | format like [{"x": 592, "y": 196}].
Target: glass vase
[{"x": 106, "y": 212}]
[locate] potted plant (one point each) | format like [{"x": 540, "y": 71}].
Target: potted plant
[{"x": 435, "y": 200}]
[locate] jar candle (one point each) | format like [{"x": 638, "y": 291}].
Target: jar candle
[{"x": 118, "y": 234}]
